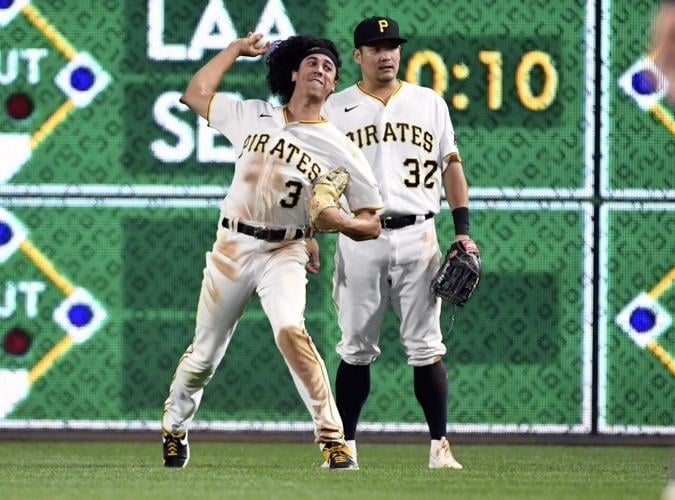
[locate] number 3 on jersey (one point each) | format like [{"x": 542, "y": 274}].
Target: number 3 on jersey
[
  {"x": 415, "y": 173},
  {"x": 293, "y": 195}
]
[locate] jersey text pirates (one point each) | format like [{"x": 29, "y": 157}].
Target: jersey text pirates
[{"x": 407, "y": 141}]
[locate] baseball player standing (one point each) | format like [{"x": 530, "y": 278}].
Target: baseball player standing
[
  {"x": 407, "y": 136},
  {"x": 260, "y": 245}
]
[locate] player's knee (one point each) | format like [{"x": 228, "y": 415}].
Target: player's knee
[
  {"x": 196, "y": 374},
  {"x": 198, "y": 370},
  {"x": 198, "y": 379}
]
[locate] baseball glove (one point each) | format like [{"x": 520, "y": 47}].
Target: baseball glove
[
  {"x": 326, "y": 193},
  {"x": 458, "y": 277}
]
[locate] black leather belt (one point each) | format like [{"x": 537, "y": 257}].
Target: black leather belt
[
  {"x": 263, "y": 233},
  {"x": 402, "y": 220}
]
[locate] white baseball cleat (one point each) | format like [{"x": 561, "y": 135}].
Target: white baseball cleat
[{"x": 440, "y": 456}]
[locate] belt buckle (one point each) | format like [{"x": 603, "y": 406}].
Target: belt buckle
[{"x": 260, "y": 232}]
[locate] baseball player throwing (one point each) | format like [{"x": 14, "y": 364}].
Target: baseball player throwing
[
  {"x": 282, "y": 154},
  {"x": 407, "y": 136}
]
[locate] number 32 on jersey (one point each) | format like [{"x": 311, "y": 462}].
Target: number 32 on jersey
[{"x": 417, "y": 174}]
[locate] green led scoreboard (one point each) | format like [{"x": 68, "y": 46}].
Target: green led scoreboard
[{"x": 110, "y": 188}]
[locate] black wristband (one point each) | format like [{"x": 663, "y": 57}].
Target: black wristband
[{"x": 460, "y": 217}]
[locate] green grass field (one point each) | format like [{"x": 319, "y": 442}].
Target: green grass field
[{"x": 118, "y": 470}]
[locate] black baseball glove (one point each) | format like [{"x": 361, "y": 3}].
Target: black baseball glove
[{"x": 458, "y": 277}]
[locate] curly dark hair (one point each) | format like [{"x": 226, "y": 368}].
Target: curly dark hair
[{"x": 285, "y": 56}]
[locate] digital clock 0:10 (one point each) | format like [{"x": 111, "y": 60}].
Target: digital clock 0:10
[{"x": 493, "y": 62}]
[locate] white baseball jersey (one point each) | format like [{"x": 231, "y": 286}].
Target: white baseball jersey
[
  {"x": 277, "y": 162},
  {"x": 407, "y": 141}
]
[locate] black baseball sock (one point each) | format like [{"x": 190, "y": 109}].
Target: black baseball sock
[
  {"x": 431, "y": 390},
  {"x": 352, "y": 386}
]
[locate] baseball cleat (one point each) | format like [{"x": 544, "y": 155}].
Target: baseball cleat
[
  {"x": 176, "y": 449},
  {"x": 352, "y": 447},
  {"x": 338, "y": 456},
  {"x": 440, "y": 456}
]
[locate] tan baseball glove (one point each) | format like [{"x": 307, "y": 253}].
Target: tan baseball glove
[{"x": 326, "y": 193}]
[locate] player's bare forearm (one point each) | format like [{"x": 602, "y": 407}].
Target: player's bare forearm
[
  {"x": 454, "y": 183},
  {"x": 205, "y": 82},
  {"x": 456, "y": 191},
  {"x": 364, "y": 226}
]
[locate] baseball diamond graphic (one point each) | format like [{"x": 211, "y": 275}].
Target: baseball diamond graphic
[
  {"x": 79, "y": 315},
  {"x": 636, "y": 368},
  {"x": 81, "y": 80},
  {"x": 644, "y": 319}
]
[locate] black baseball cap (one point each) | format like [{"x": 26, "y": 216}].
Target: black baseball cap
[{"x": 374, "y": 29}]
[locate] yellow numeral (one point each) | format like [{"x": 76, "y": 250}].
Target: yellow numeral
[
  {"x": 523, "y": 87},
  {"x": 493, "y": 61}
]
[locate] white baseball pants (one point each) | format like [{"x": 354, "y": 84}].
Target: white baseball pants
[
  {"x": 395, "y": 269},
  {"x": 238, "y": 266}
]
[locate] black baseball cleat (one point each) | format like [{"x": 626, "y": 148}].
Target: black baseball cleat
[
  {"x": 338, "y": 456},
  {"x": 176, "y": 449}
]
